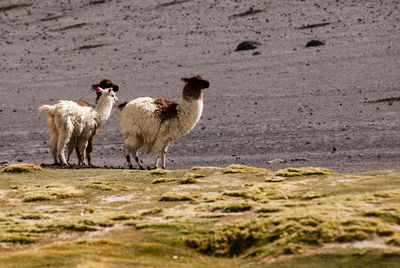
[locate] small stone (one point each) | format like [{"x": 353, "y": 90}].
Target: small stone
[
  {"x": 248, "y": 45},
  {"x": 314, "y": 43},
  {"x": 276, "y": 161}
]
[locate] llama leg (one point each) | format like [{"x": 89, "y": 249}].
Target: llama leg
[
  {"x": 138, "y": 161},
  {"x": 127, "y": 153},
  {"x": 82, "y": 145},
  {"x": 70, "y": 148},
  {"x": 53, "y": 138},
  {"x": 163, "y": 152},
  {"x": 155, "y": 163},
  {"x": 63, "y": 138},
  {"x": 53, "y": 145},
  {"x": 89, "y": 148},
  {"x": 62, "y": 142}
]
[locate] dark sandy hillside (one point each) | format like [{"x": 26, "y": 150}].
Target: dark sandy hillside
[{"x": 279, "y": 105}]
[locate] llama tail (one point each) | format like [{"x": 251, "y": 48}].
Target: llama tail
[
  {"x": 47, "y": 110},
  {"x": 120, "y": 108}
]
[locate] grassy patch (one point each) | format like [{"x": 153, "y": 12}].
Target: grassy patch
[
  {"x": 175, "y": 196},
  {"x": 90, "y": 214},
  {"x": 188, "y": 180},
  {"x": 22, "y": 168},
  {"x": 158, "y": 172},
  {"x": 163, "y": 180},
  {"x": 307, "y": 171},
  {"x": 391, "y": 217},
  {"x": 233, "y": 207}
]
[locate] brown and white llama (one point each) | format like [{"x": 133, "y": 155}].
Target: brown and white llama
[
  {"x": 154, "y": 123},
  {"x": 74, "y": 124}
]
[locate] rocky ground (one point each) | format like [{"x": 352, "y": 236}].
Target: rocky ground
[{"x": 281, "y": 104}]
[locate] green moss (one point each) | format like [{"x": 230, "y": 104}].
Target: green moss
[
  {"x": 194, "y": 175},
  {"x": 18, "y": 239},
  {"x": 188, "y": 180},
  {"x": 49, "y": 195},
  {"x": 390, "y": 217},
  {"x": 271, "y": 191},
  {"x": 395, "y": 241},
  {"x": 163, "y": 180},
  {"x": 267, "y": 210},
  {"x": 233, "y": 171},
  {"x": 280, "y": 236},
  {"x": 243, "y": 168},
  {"x": 70, "y": 226},
  {"x": 158, "y": 172},
  {"x": 22, "y": 168},
  {"x": 311, "y": 195},
  {"x": 307, "y": 171},
  {"x": 125, "y": 217},
  {"x": 99, "y": 185},
  {"x": 251, "y": 193},
  {"x": 274, "y": 179},
  {"x": 153, "y": 211},
  {"x": 233, "y": 207},
  {"x": 39, "y": 196},
  {"x": 174, "y": 196},
  {"x": 102, "y": 242},
  {"x": 32, "y": 217}
]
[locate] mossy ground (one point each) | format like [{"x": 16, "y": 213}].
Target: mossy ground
[{"x": 204, "y": 217}]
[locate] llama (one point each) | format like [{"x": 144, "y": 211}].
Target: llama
[
  {"x": 154, "y": 123},
  {"x": 75, "y": 123}
]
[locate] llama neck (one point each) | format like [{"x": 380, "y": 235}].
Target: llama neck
[
  {"x": 189, "y": 113},
  {"x": 103, "y": 110}
]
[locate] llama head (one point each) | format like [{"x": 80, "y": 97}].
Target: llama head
[
  {"x": 104, "y": 83},
  {"x": 193, "y": 87},
  {"x": 108, "y": 93},
  {"x": 196, "y": 82}
]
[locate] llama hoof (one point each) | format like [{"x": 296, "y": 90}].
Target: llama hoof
[{"x": 151, "y": 167}]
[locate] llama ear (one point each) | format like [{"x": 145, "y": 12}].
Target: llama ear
[{"x": 115, "y": 88}]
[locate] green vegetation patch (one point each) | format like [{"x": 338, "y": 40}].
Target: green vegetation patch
[
  {"x": 242, "y": 215},
  {"x": 395, "y": 241},
  {"x": 253, "y": 193},
  {"x": 49, "y": 194},
  {"x": 188, "y": 180},
  {"x": 125, "y": 217},
  {"x": 248, "y": 169},
  {"x": 268, "y": 210},
  {"x": 106, "y": 186},
  {"x": 275, "y": 179},
  {"x": 158, "y": 172},
  {"x": 391, "y": 217},
  {"x": 233, "y": 207},
  {"x": 163, "y": 180},
  {"x": 18, "y": 238},
  {"x": 306, "y": 171},
  {"x": 175, "y": 196},
  {"x": 22, "y": 168},
  {"x": 277, "y": 236},
  {"x": 153, "y": 211}
]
